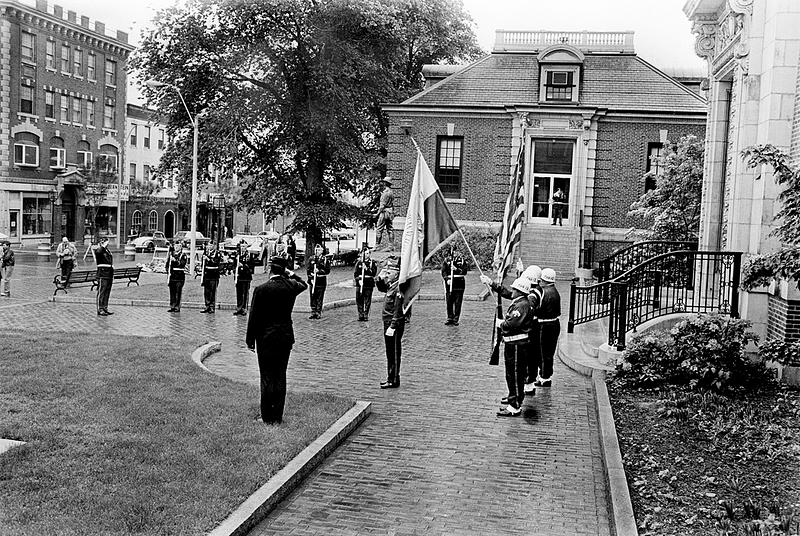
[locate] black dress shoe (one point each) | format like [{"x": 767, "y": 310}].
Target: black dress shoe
[
  {"x": 390, "y": 385},
  {"x": 204, "y": 310},
  {"x": 102, "y": 313},
  {"x": 109, "y": 313},
  {"x": 171, "y": 310},
  {"x": 448, "y": 322},
  {"x": 455, "y": 322}
]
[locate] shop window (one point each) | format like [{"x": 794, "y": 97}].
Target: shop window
[
  {"x": 27, "y": 46},
  {"x": 152, "y": 221},
  {"x": 50, "y": 54},
  {"x": 655, "y": 152},
  {"x": 26, "y": 94},
  {"x": 26, "y": 150},
  {"x": 36, "y": 215},
  {"x": 449, "y": 165},
  {"x": 106, "y": 221}
]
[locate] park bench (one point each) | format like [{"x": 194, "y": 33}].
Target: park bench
[{"x": 90, "y": 276}]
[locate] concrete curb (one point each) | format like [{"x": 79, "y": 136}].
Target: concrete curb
[
  {"x": 256, "y": 507},
  {"x": 621, "y": 507}
]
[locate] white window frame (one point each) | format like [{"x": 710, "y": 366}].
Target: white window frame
[
  {"x": 50, "y": 55},
  {"x": 91, "y": 67},
  {"x": 136, "y": 219},
  {"x": 59, "y": 154},
  {"x": 103, "y": 167},
  {"x": 25, "y": 153},
  {"x": 85, "y": 159},
  {"x": 152, "y": 221},
  {"x": 22, "y": 46},
  {"x": 576, "y": 82}
]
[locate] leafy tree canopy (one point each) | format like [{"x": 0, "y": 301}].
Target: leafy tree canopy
[
  {"x": 673, "y": 206},
  {"x": 289, "y": 92}
]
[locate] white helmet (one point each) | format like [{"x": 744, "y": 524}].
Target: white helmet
[
  {"x": 533, "y": 273},
  {"x": 522, "y": 284},
  {"x": 549, "y": 275}
]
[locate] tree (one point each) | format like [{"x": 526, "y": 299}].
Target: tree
[
  {"x": 674, "y": 205},
  {"x": 291, "y": 90},
  {"x": 759, "y": 270}
]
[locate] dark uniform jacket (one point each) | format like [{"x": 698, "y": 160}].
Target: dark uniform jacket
[
  {"x": 323, "y": 266},
  {"x": 535, "y": 296},
  {"x": 104, "y": 262},
  {"x": 245, "y": 266},
  {"x": 393, "y": 302},
  {"x": 459, "y": 270},
  {"x": 271, "y": 310},
  {"x": 212, "y": 266},
  {"x": 518, "y": 321},
  {"x": 550, "y": 308},
  {"x": 177, "y": 261},
  {"x": 370, "y": 269}
]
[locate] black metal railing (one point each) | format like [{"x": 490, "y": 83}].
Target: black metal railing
[
  {"x": 677, "y": 281},
  {"x": 626, "y": 258}
]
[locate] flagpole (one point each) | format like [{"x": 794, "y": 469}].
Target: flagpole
[{"x": 474, "y": 260}]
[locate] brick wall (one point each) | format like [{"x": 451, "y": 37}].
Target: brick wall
[
  {"x": 604, "y": 248},
  {"x": 486, "y": 160},
  {"x": 783, "y": 320},
  {"x": 795, "y": 151},
  {"x": 621, "y": 162}
]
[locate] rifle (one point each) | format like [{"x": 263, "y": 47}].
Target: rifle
[
  {"x": 169, "y": 262},
  {"x": 314, "y": 281},
  {"x": 236, "y": 268},
  {"x": 202, "y": 269},
  {"x": 452, "y": 274}
]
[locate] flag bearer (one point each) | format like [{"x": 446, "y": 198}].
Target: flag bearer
[
  {"x": 364, "y": 276},
  {"x": 394, "y": 323},
  {"x": 318, "y": 269},
  {"x": 176, "y": 266},
  {"x": 548, "y": 313},
  {"x": 454, "y": 268},
  {"x": 244, "y": 266},
  {"x": 212, "y": 264},
  {"x": 515, "y": 328}
]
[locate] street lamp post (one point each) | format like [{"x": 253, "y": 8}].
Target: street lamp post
[{"x": 195, "y": 121}]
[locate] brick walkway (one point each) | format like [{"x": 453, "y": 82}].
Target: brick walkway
[{"x": 432, "y": 458}]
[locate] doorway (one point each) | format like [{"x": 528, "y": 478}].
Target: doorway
[
  {"x": 169, "y": 224},
  {"x": 551, "y": 172}
]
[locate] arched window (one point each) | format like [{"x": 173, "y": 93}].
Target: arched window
[
  {"x": 136, "y": 218},
  {"x": 152, "y": 221},
  {"x": 26, "y": 149},
  {"x": 107, "y": 160},
  {"x": 58, "y": 155},
  {"x": 84, "y": 155}
]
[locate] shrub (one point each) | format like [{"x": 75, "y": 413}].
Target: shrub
[
  {"x": 482, "y": 241},
  {"x": 706, "y": 351},
  {"x": 784, "y": 353}
]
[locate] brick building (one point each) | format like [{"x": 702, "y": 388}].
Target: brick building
[
  {"x": 62, "y": 115},
  {"x": 752, "y": 50},
  {"x": 591, "y": 116},
  {"x": 153, "y": 200}
]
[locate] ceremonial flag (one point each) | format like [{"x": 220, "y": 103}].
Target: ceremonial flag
[
  {"x": 508, "y": 239},
  {"x": 429, "y": 225}
]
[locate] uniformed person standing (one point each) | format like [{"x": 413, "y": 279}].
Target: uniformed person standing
[
  {"x": 270, "y": 333},
  {"x": 318, "y": 269},
  {"x": 245, "y": 265},
  {"x": 212, "y": 264},
  {"x": 105, "y": 276},
  {"x": 394, "y": 323},
  {"x": 176, "y": 267},
  {"x": 364, "y": 277},
  {"x": 515, "y": 328},
  {"x": 548, "y": 313},
  {"x": 454, "y": 268},
  {"x": 385, "y": 213}
]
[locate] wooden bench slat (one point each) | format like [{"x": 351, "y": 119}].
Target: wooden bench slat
[{"x": 90, "y": 276}]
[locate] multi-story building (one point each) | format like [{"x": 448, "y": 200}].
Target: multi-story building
[
  {"x": 153, "y": 200},
  {"x": 751, "y": 48},
  {"x": 62, "y": 119},
  {"x": 588, "y": 115}
]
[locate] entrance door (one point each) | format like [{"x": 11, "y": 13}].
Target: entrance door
[
  {"x": 169, "y": 224},
  {"x": 13, "y": 225},
  {"x": 552, "y": 171}
]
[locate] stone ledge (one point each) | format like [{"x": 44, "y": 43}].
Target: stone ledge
[{"x": 621, "y": 507}]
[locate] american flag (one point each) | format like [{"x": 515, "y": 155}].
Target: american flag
[{"x": 513, "y": 217}]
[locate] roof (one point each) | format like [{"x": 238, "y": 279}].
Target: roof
[{"x": 616, "y": 82}]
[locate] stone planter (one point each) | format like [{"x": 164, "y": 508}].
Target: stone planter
[{"x": 791, "y": 376}]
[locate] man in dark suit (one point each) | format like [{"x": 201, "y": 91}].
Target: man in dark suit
[{"x": 270, "y": 333}]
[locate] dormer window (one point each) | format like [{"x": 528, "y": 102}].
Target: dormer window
[
  {"x": 559, "y": 75},
  {"x": 559, "y": 86}
]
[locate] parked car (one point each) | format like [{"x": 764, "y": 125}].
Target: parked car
[
  {"x": 270, "y": 235},
  {"x": 149, "y": 241},
  {"x": 254, "y": 244},
  {"x": 345, "y": 232},
  {"x": 186, "y": 235}
]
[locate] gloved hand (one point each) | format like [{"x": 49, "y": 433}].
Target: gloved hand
[
  {"x": 498, "y": 322},
  {"x": 486, "y": 280},
  {"x": 390, "y": 332},
  {"x": 520, "y": 266}
]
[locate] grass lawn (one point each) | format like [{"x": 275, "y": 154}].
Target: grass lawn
[
  {"x": 707, "y": 464},
  {"x": 125, "y": 435}
]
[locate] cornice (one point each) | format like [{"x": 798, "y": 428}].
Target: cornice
[{"x": 44, "y": 21}]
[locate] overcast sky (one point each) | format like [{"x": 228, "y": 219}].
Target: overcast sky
[{"x": 663, "y": 35}]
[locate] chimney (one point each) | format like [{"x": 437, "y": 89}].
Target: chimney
[
  {"x": 84, "y": 21},
  {"x": 71, "y": 16},
  {"x": 122, "y": 36},
  {"x": 99, "y": 27}
]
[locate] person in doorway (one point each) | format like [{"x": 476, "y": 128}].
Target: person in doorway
[
  {"x": 385, "y": 214},
  {"x": 177, "y": 260},
  {"x": 271, "y": 335},
  {"x": 364, "y": 278},
  {"x": 548, "y": 314},
  {"x": 318, "y": 269},
  {"x": 104, "y": 262},
  {"x": 559, "y": 206},
  {"x": 66, "y": 252},
  {"x": 212, "y": 264},
  {"x": 394, "y": 323},
  {"x": 245, "y": 265},
  {"x": 454, "y": 270},
  {"x": 7, "y": 268}
]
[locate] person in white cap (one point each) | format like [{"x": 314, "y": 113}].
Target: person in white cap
[
  {"x": 533, "y": 274},
  {"x": 548, "y": 313},
  {"x": 515, "y": 328}
]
